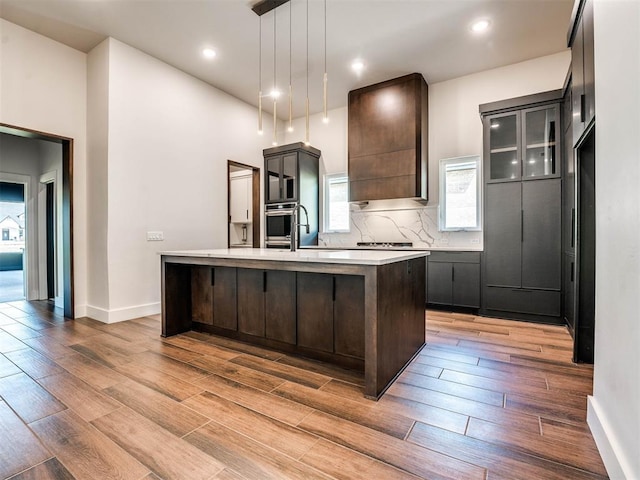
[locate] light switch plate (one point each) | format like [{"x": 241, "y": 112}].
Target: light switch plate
[{"x": 155, "y": 236}]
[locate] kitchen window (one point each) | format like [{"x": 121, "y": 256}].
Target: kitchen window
[
  {"x": 460, "y": 193},
  {"x": 336, "y": 203}
]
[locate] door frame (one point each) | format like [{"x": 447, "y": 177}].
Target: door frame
[
  {"x": 67, "y": 206},
  {"x": 255, "y": 201}
]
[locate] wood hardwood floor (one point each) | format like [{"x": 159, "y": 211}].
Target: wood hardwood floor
[{"x": 485, "y": 399}]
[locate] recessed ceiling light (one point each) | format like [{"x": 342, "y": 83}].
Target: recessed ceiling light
[
  {"x": 357, "y": 66},
  {"x": 480, "y": 26},
  {"x": 275, "y": 93},
  {"x": 209, "y": 53}
]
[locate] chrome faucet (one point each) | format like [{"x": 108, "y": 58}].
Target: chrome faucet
[{"x": 295, "y": 224}]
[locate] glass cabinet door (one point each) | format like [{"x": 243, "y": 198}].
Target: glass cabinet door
[
  {"x": 540, "y": 139},
  {"x": 273, "y": 179},
  {"x": 504, "y": 158},
  {"x": 289, "y": 173}
]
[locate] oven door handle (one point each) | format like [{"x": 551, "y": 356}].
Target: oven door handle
[{"x": 279, "y": 213}]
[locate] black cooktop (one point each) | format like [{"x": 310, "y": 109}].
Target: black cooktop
[{"x": 384, "y": 244}]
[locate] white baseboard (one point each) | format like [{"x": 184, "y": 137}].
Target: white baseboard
[
  {"x": 118, "y": 314},
  {"x": 79, "y": 311},
  {"x": 613, "y": 456}
]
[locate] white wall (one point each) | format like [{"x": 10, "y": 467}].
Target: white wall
[
  {"x": 43, "y": 87},
  {"x": 455, "y": 129},
  {"x": 169, "y": 139},
  {"x": 614, "y": 408},
  {"x": 97, "y": 171}
]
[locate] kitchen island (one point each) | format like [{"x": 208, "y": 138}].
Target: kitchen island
[{"x": 359, "y": 309}]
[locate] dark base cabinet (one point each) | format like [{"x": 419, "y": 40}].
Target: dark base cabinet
[
  {"x": 316, "y": 312},
  {"x": 453, "y": 279},
  {"x": 365, "y": 317}
]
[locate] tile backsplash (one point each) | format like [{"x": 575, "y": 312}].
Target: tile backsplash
[{"x": 401, "y": 221}]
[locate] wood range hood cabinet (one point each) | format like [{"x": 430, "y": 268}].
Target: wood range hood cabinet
[{"x": 388, "y": 140}]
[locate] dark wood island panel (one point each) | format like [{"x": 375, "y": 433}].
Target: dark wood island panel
[{"x": 359, "y": 316}]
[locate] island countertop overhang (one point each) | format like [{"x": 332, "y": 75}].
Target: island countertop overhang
[{"x": 348, "y": 257}]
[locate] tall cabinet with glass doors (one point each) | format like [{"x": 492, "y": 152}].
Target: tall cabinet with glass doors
[{"x": 522, "y": 264}]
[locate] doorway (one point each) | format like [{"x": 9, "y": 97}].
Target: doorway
[
  {"x": 63, "y": 218},
  {"x": 13, "y": 222},
  {"x": 243, "y": 205},
  {"x": 586, "y": 250}
]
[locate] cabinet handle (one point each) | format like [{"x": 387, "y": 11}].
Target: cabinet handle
[
  {"x": 572, "y": 271},
  {"x": 453, "y": 273},
  {"x": 334, "y": 289},
  {"x": 582, "y": 107},
  {"x": 521, "y": 226},
  {"x": 264, "y": 281},
  {"x": 213, "y": 277},
  {"x": 247, "y": 214},
  {"x": 573, "y": 227}
]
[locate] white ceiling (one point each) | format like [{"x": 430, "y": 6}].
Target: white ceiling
[{"x": 393, "y": 37}]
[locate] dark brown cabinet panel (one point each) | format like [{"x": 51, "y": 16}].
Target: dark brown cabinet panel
[
  {"x": 225, "y": 313},
  {"x": 315, "y": 311},
  {"x": 213, "y": 296},
  {"x": 280, "y": 306},
  {"x": 201, "y": 295},
  {"x": 251, "y": 305},
  {"x": 387, "y": 146},
  {"x": 348, "y": 314}
]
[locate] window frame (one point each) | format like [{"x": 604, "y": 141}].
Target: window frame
[
  {"x": 328, "y": 179},
  {"x": 442, "y": 206}
]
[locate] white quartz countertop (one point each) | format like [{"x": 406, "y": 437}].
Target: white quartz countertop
[{"x": 354, "y": 257}]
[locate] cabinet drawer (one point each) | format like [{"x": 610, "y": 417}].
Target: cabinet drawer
[
  {"x": 454, "y": 257},
  {"x": 536, "y": 302}
]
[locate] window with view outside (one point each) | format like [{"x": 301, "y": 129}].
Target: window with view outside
[
  {"x": 459, "y": 193},
  {"x": 336, "y": 203}
]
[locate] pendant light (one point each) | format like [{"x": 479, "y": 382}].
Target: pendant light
[
  {"x": 274, "y": 91},
  {"x": 290, "y": 127},
  {"x": 260, "y": 82},
  {"x": 325, "y": 117},
  {"x": 306, "y": 135},
  {"x": 265, "y": 6}
]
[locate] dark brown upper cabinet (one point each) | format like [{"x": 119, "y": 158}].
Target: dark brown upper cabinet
[
  {"x": 388, "y": 136},
  {"x": 580, "y": 40}
]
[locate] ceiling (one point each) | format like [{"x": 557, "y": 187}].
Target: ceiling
[{"x": 392, "y": 37}]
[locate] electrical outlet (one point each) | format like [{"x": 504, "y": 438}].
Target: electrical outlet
[
  {"x": 475, "y": 241},
  {"x": 155, "y": 236},
  {"x": 444, "y": 240}
]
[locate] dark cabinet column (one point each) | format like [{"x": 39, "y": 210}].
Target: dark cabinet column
[
  {"x": 280, "y": 305},
  {"x": 251, "y": 302},
  {"x": 541, "y": 244},
  {"x": 315, "y": 311},
  {"x": 348, "y": 313},
  {"x": 503, "y": 234}
]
